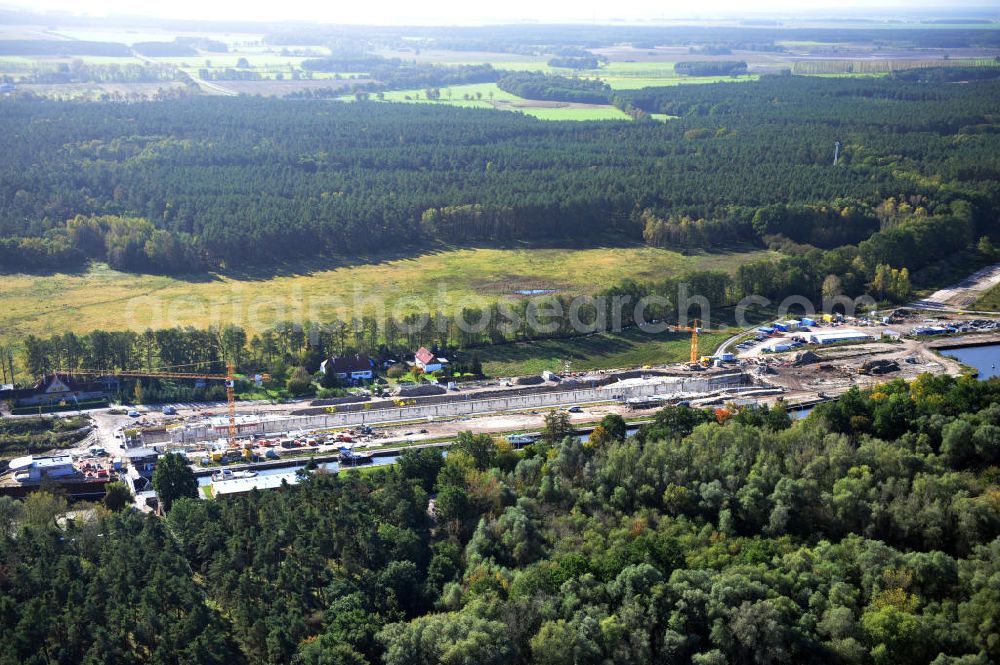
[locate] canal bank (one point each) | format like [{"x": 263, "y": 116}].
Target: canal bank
[
  {"x": 329, "y": 461},
  {"x": 984, "y": 358}
]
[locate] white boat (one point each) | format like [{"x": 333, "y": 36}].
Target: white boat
[
  {"x": 229, "y": 474},
  {"x": 518, "y": 440},
  {"x": 349, "y": 457}
]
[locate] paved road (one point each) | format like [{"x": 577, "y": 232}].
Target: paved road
[
  {"x": 207, "y": 86},
  {"x": 213, "y": 88},
  {"x": 724, "y": 347}
]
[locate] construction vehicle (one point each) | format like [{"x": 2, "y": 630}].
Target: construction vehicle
[{"x": 229, "y": 377}]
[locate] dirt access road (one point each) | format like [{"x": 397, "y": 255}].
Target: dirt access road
[{"x": 963, "y": 294}]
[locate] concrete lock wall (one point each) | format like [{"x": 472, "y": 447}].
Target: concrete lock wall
[{"x": 612, "y": 392}]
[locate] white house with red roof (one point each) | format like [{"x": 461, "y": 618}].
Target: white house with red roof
[{"x": 427, "y": 361}]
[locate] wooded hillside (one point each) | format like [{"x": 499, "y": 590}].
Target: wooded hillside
[{"x": 177, "y": 185}]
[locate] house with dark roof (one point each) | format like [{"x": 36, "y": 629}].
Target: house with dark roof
[
  {"x": 427, "y": 361},
  {"x": 54, "y": 389},
  {"x": 349, "y": 368}
]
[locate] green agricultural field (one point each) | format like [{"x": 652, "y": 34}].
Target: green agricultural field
[
  {"x": 649, "y": 69},
  {"x": 16, "y": 64},
  {"x": 490, "y": 96},
  {"x": 489, "y": 93},
  {"x": 622, "y": 75},
  {"x": 629, "y": 348},
  {"x": 510, "y": 61},
  {"x": 572, "y": 113},
  {"x": 50, "y": 62},
  {"x": 257, "y": 60},
  {"x": 101, "y": 298}
]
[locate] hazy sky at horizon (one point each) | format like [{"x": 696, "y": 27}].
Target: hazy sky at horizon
[{"x": 471, "y": 12}]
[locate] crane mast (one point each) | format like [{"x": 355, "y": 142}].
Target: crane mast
[
  {"x": 229, "y": 377},
  {"x": 694, "y": 330},
  {"x": 231, "y": 401}
]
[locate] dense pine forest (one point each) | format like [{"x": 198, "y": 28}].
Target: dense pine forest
[
  {"x": 865, "y": 534},
  {"x": 183, "y": 185},
  {"x": 561, "y": 88}
]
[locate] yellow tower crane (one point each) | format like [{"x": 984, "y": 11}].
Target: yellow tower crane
[
  {"x": 694, "y": 330},
  {"x": 229, "y": 377}
]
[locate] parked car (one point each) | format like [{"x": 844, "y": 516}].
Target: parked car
[
  {"x": 575, "y": 409},
  {"x": 133, "y": 414},
  {"x": 169, "y": 411}
]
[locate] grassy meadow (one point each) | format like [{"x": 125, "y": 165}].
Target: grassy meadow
[
  {"x": 629, "y": 348},
  {"x": 488, "y": 95},
  {"x": 101, "y": 298},
  {"x": 621, "y": 75}
]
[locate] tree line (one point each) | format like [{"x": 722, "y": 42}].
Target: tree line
[
  {"x": 711, "y": 67},
  {"x": 394, "y": 73},
  {"x": 535, "y": 85},
  {"x": 575, "y": 62},
  {"x": 77, "y": 70}
]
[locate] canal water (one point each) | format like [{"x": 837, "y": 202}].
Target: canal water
[
  {"x": 334, "y": 466},
  {"x": 986, "y": 359},
  {"x": 290, "y": 470},
  {"x": 799, "y": 414}
]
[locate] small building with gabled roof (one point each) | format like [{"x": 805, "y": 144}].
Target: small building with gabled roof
[
  {"x": 427, "y": 361},
  {"x": 349, "y": 368}
]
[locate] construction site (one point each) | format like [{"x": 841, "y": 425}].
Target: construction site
[{"x": 798, "y": 363}]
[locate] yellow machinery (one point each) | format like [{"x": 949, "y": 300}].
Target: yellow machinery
[
  {"x": 229, "y": 377},
  {"x": 694, "y": 330}
]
